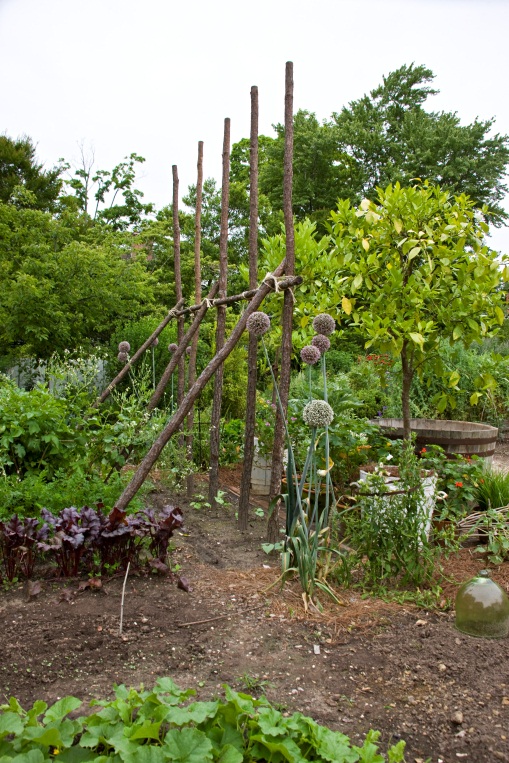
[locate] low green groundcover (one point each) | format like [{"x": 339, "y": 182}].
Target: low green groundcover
[{"x": 162, "y": 725}]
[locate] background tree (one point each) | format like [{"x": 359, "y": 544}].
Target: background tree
[
  {"x": 23, "y": 181},
  {"x": 414, "y": 272}
]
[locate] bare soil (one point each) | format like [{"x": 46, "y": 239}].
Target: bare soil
[{"x": 369, "y": 664}]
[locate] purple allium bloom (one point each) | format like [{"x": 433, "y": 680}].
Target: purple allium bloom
[
  {"x": 324, "y": 324},
  {"x": 318, "y": 413},
  {"x": 124, "y": 347},
  {"x": 188, "y": 350},
  {"x": 172, "y": 347},
  {"x": 310, "y": 354},
  {"x": 258, "y": 323},
  {"x": 322, "y": 342},
  {"x": 155, "y": 342},
  {"x": 123, "y": 357}
]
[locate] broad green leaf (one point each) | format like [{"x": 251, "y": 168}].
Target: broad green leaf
[
  {"x": 346, "y": 305},
  {"x": 414, "y": 252},
  {"x": 454, "y": 379},
  {"x": 10, "y": 723},
  {"x": 47, "y": 737},
  {"x": 365, "y": 244},
  {"x": 32, "y": 756},
  {"x": 474, "y": 398},
  {"x": 62, "y": 708},
  {"x": 187, "y": 746},
  {"x": 198, "y": 712},
  {"x": 146, "y": 754},
  {"x": 230, "y": 754},
  {"x": 500, "y": 314},
  {"x": 77, "y": 755},
  {"x": 457, "y": 332},
  {"x": 333, "y": 745},
  {"x": 146, "y": 730},
  {"x": 398, "y": 226}
]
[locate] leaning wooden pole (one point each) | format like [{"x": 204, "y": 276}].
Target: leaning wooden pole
[
  {"x": 137, "y": 355},
  {"x": 287, "y": 320},
  {"x": 178, "y": 279},
  {"x": 178, "y": 417},
  {"x": 253, "y": 340},
  {"x": 179, "y": 352},
  {"x": 191, "y": 370},
  {"x": 215, "y": 418}
]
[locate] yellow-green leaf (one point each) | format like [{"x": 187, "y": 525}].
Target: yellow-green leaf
[
  {"x": 346, "y": 305},
  {"x": 474, "y": 398},
  {"x": 365, "y": 244},
  {"x": 398, "y": 225},
  {"x": 454, "y": 379},
  {"x": 357, "y": 281},
  {"x": 414, "y": 252},
  {"x": 500, "y": 314},
  {"x": 417, "y": 338},
  {"x": 457, "y": 332}
]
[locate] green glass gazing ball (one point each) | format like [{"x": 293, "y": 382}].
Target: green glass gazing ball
[{"x": 482, "y": 608}]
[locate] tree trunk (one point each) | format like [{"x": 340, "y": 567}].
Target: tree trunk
[
  {"x": 253, "y": 341},
  {"x": 191, "y": 373},
  {"x": 287, "y": 320},
  {"x": 407, "y": 376},
  {"x": 176, "y": 420},
  {"x": 221, "y": 320}
]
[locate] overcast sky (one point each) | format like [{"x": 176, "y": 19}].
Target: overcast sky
[{"x": 155, "y": 77}]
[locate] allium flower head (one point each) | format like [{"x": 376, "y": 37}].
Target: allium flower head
[
  {"x": 124, "y": 347},
  {"x": 310, "y": 354},
  {"x": 172, "y": 347},
  {"x": 258, "y": 323},
  {"x": 322, "y": 342},
  {"x": 318, "y": 413},
  {"x": 324, "y": 324},
  {"x": 155, "y": 342},
  {"x": 188, "y": 350},
  {"x": 122, "y": 357}
]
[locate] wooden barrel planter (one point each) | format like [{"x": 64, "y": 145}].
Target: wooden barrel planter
[{"x": 466, "y": 438}]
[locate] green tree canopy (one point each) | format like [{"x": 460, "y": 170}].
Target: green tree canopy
[
  {"x": 23, "y": 181},
  {"x": 412, "y": 271}
]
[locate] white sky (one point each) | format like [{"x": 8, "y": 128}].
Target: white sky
[{"x": 157, "y": 76}]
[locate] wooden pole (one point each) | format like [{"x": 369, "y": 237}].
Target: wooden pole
[
  {"x": 253, "y": 340},
  {"x": 179, "y": 352},
  {"x": 191, "y": 371},
  {"x": 153, "y": 454},
  {"x": 215, "y": 418},
  {"x": 178, "y": 279},
  {"x": 287, "y": 319},
  {"x": 137, "y": 355}
]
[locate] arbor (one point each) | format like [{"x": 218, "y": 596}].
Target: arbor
[
  {"x": 22, "y": 179},
  {"x": 413, "y": 271}
]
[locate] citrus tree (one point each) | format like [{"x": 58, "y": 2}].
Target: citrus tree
[{"x": 413, "y": 271}]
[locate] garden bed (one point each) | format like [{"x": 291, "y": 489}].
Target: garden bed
[{"x": 370, "y": 664}]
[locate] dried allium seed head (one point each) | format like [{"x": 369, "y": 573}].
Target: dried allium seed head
[
  {"x": 322, "y": 342},
  {"x": 122, "y": 357},
  {"x": 172, "y": 347},
  {"x": 258, "y": 323},
  {"x": 155, "y": 342},
  {"x": 124, "y": 347},
  {"x": 310, "y": 354},
  {"x": 318, "y": 413},
  {"x": 324, "y": 324}
]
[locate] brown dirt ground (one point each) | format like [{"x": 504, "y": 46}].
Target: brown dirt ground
[{"x": 404, "y": 671}]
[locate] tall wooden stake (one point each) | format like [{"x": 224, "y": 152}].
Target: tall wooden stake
[
  {"x": 286, "y": 341},
  {"x": 178, "y": 279},
  {"x": 191, "y": 371},
  {"x": 253, "y": 340},
  {"x": 221, "y": 320}
]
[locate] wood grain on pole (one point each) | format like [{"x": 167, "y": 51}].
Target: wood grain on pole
[
  {"x": 215, "y": 417},
  {"x": 287, "y": 319},
  {"x": 245, "y": 484},
  {"x": 191, "y": 369},
  {"x": 178, "y": 278}
]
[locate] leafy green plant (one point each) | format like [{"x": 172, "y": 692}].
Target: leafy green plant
[
  {"x": 387, "y": 527},
  {"x": 162, "y": 725},
  {"x": 492, "y": 489},
  {"x": 458, "y": 480},
  {"x": 493, "y": 526}
]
